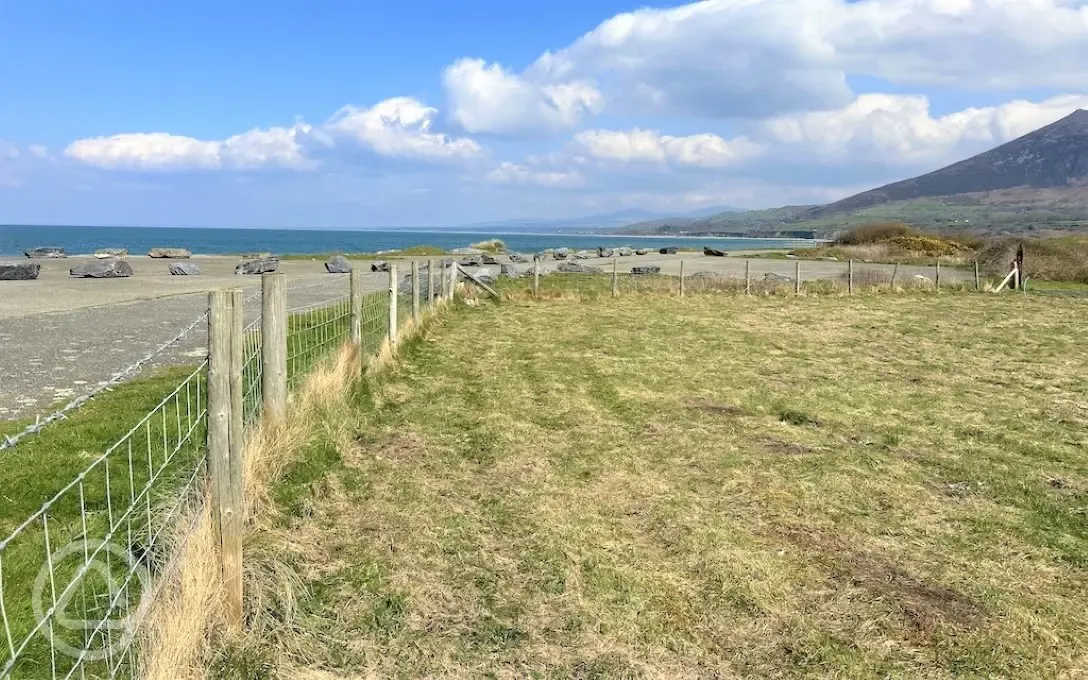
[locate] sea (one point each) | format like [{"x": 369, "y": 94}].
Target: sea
[{"x": 14, "y": 240}]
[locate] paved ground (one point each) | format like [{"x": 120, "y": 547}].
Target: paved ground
[{"x": 62, "y": 336}]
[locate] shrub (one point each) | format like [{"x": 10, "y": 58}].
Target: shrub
[{"x": 876, "y": 232}]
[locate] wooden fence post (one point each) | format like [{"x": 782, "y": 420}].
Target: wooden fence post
[
  {"x": 895, "y": 273},
  {"x": 937, "y": 273},
  {"x": 536, "y": 278},
  {"x": 274, "y": 344},
  {"x": 415, "y": 293},
  {"x": 797, "y": 278},
  {"x": 393, "y": 304},
  {"x": 453, "y": 280},
  {"x": 615, "y": 277},
  {"x": 232, "y": 543},
  {"x": 356, "y": 283},
  {"x": 977, "y": 282},
  {"x": 430, "y": 283},
  {"x": 850, "y": 277},
  {"x": 747, "y": 277},
  {"x": 681, "y": 278},
  {"x": 226, "y": 511}
]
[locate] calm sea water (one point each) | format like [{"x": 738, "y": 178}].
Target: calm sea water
[{"x": 138, "y": 240}]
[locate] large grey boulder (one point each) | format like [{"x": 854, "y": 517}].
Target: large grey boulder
[
  {"x": 713, "y": 252},
  {"x": 519, "y": 257},
  {"x": 645, "y": 270},
  {"x": 642, "y": 251},
  {"x": 264, "y": 265},
  {"x": 604, "y": 252},
  {"x": 45, "y": 253},
  {"x": 103, "y": 253},
  {"x": 470, "y": 262},
  {"x": 542, "y": 255},
  {"x": 379, "y": 266},
  {"x": 170, "y": 253},
  {"x": 24, "y": 271},
  {"x": 777, "y": 278},
  {"x": 669, "y": 250},
  {"x": 184, "y": 269},
  {"x": 583, "y": 255},
  {"x": 111, "y": 268},
  {"x": 509, "y": 271},
  {"x": 561, "y": 253},
  {"x": 338, "y": 264},
  {"x": 624, "y": 252},
  {"x": 488, "y": 259},
  {"x": 576, "y": 268}
]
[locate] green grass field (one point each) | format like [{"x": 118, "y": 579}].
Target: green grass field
[{"x": 876, "y": 486}]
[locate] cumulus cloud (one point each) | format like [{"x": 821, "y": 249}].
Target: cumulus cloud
[
  {"x": 759, "y": 58},
  {"x": 702, "y": 150},
  {"x": 899, "y": 129},
  {"x": 399, "y": 127},
  {"x": 488, "y": 98},
  {"x": 513, "y": 173}
]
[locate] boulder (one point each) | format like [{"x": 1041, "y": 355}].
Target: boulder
[
  {"x": 519, "y": 257},
  {"x": 45, "y": 253},
  {"x": 111, "y": 268},
  {"x": 713, "y": 252},
  {"x": 170, "y": 253},
  {"x": 543, "y": 255},
  {"x": 338, "y": 264},
  {"x": 111, "y": 252},
  {"x": 624, "y": 252},
  {"x": 184, "y": 269},
  {"x": 509, "y": 271},
  {"x": 488, "y": 259},
  {"x": 484, "y": 277},
  {"x": 561, "y": 253},
  {"x": 379, "y": 266},
  {"x": 264, "y": 265},
  {"x": 576, "y": 268},
  {"x": 24, "y": 271},
  {"x": 777, "y": 278},
  {"x": 670, "y": 250},
  {"x": 470, "y": 262},
  {"x": 583, "y": 255},
  {"x": 642, "y": 251},
  {"x": 647, "y": 270},
  {"x": 604, "y": 252}
]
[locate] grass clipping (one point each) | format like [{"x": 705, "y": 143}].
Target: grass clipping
[{"x": 186, "y": 628}]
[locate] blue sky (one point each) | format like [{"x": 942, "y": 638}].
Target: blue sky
[{"x": 342, "y": 114}]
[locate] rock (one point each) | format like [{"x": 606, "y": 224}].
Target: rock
[
  {"x": 777, "y": 278},
  {"x": 484, "y": 277},
  {"x": 642, "y": 251},
  {"x": 670, "y": 250},
  {"x": 379, "y": 266},
  {"x": 509, "y": 271},
  {"x": 24, "y": 271},
  {"x": 583, "y": 255},
  {"x": 576, "y": 268},
  {"x": 111, "y": 252},
  {"x": 713, "y": 252},
  {"x": 261, "y": 266},
  {"x": 488, "y": 259},
  {"x": 184, "y": 269},
  {"x": 45, "y": 253},
  {"x": 604, "y": 252},
  {"x": 171, "y": 253},
  {"x": 647, "y": 270},
  {"x": 519, "y": 257},
  {"x": 470, "y": 262},
  {"x": 624, "y": 252},
  {"x": 707, "y": 275},
  {"x": 111, "y": 268},
  {"x": 338, "y": 264},
  {"x": 791, "y": 257},
  {"x": 561, "y": 253}
]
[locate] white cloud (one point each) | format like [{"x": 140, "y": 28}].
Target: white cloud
[
  {"x": 899, "y": 129},
  {"x": 488, "y": 98},
  {"x": 512, "y": 173},
  {"x": 702, "y": 150},
  {"x": 38, "y": 151},
  {"x": 759, "y": 58},
  {"x": 400, "y": 127}
]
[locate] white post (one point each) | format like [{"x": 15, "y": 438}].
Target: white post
[{"x": 274, "y": 344}]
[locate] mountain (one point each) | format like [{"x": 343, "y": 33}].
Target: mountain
[
  {"x": 1052, "y": 158},
  {"x": 770, "y": 222}
]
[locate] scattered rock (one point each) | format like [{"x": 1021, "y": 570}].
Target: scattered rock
[
  {"x": 624, "y": 252},
  {"x": 604, "y": 252},
  {"x": 647, "y": 270},
  {"x": 543, "y": 255},
  {"x": 111, "y": 268},
  {"x": 470, "y": 262},
  {"x": 519, "y": 257},
  {"x": 111, "y": 252},
  {"x": 25, "y": 271},
  {"x": 708, "y": 275},
  {"x": 171, "y": 253},
  {"x": 509, "y": 271},
  {"x": 776, "y": 278},
  {"x": 583, "y": 255},
  {"x": 338, "y": 264},
  {"x": 184, "y": 269},
  {"x": 713, "y": 252},
  {"x": 670, "y": 250},
  {"x": 561, "y": 253},
  {"x": 45, "y": 253},
  {"x": 264, "y": 265},
  {"x": 488, "y": 259},
  {"x": 576, "y": 268},
  {"x": 380, "y": 266},
  {"x": 642, "y": 251}
]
